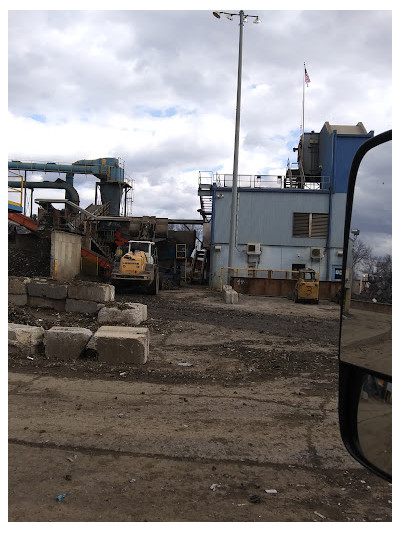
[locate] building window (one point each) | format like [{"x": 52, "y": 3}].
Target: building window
[
  {"x": 297, "y": 266},
  {"x": 310, "y": 225}
]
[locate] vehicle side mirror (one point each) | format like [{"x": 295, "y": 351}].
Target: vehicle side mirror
[{"x": 365, "y": 355}]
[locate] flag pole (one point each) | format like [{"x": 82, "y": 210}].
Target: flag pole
[
  {"x": 304, "y": 82},
  {"x": 302, "y": 136}
]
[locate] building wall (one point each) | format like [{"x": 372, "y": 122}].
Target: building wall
[
  {"x": 336, "y": 152},
  {"x": 265, "y": 216}
]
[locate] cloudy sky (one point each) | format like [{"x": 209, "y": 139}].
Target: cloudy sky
[{"x": 158, "y": 90}]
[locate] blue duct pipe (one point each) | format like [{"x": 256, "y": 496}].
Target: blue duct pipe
[
  {"x": 106, "y": 168},
  {"x": 71, "y": 192}
]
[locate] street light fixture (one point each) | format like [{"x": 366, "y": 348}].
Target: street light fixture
[{"x": 233, "y": 226}]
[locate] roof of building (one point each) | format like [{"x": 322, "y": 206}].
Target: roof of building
[{"x": 358, "y": 129}]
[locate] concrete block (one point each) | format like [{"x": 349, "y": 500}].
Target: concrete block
[
  {"x": 119, "y": 344},
  {"x": 25, "y": 340},
  {"x": 230, "y": 296},
  {"x": 18, "y": 299},
  {"x": 140, "y": 308},
  {"x": 109, "y": 315},
  {"x": 227, "y": 296},
  {"x": 17, "y": 285},
  {"x": 66, "y": 342},
  {"x": 94, "y": 292},
  {"x": 82, "y": 306},
  {"x": 45, "y": 289},
  {"x": 49, "y": 303},
  {"x": 131, "y": 314}
]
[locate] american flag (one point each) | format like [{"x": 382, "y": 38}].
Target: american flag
[{"x": 306, "y": 77}]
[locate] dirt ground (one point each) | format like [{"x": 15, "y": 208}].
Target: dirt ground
[{"x": 235, "y": 401}]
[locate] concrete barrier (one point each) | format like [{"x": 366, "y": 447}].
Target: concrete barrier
[
  {"x": 230, "y": 296},
  {"x": 119, "y": 344},
  {"x": 66, "y": 343},
  {"x": 131, "y": 314},
  {"x": 46, "y": 303},
  {"x": 17, "y": 285},
  {"x": 77, "y": 297},
  {"x": 42, "y": 288},
  {"x": 18, "y": 299},
  {"x": 90, "y": 291},
  {"x": 87, "y": 307},
  {"x": 17, "y": 290},
  {"x": 25, "y": 340}
]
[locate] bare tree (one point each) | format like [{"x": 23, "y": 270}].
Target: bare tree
[
  {"x": 379, "y": 285},
  {"x": 362, "y": 255}
]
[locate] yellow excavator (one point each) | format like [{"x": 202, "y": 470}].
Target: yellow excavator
[
  {"x": 307, "y": 286},
  {"x": 137, "y": 265}
]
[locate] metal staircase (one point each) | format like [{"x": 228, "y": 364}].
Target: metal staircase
[{"x": 205, "y": 193}]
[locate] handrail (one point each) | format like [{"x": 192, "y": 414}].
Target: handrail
[
  {"x": 254, "y": 272},
  {"x": 16, "y": 189},
  {"x": 263, "y": 181}
]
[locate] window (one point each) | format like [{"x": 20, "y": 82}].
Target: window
[
  {"x": 310, "y": 225},
  {"x": 297, "y": 266}
]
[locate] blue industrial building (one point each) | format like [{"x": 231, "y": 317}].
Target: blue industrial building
[{"x": 285, "y": 222}]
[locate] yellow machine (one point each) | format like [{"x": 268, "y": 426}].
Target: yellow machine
[
  {"x": 133, "y": 263},
  {"x": 307, "y": 286},
  {"x": 138, "y": 265}
]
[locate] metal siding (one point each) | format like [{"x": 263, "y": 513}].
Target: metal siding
[
  {"x": 267, "y": 217},
  {"x": 222, "y": 216},
  {"x": 346, "y": 147},
  {"x": 337, "y": 220}
]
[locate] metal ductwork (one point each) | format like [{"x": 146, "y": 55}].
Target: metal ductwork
[
  {"x": 106, "y": 169},
  {"x": 70, "y": 192}
]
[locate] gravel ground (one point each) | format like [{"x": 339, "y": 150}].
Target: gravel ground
[{"x": 234, "y": 400}]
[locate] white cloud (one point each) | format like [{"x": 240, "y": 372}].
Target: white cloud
[{"x": 158, "y": 90}]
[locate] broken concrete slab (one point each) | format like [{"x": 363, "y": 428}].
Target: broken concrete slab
[
  {"x": 121, "y": 344},
  {"x": 87, "y": 307},
  {"x": 43, "y": 288},
  {"x": 17, "y": 285},
  {"x": 91, "y": 291},
  {"x": 131, "y": 314},
  {"x": 66, "y": 343},
  {"x": 25, "y": 340}
]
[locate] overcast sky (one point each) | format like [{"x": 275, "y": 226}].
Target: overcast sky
[
  {"x": 372, "y": 202},
  {"x": 158, "y": 90}
]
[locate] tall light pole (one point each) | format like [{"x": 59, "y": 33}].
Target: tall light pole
[{"x": 233, "y": 225}]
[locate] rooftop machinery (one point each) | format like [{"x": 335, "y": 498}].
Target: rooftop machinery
[{"x": 107, "y": 169}]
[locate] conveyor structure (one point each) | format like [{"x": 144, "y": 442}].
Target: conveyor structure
[{"x": 107, "y": 169}]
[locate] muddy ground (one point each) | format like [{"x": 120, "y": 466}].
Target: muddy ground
[{"x": 235, "y": 400}]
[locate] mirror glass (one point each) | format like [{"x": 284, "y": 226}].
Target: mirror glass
[
  {"x": 374, "y": 422},
  {"x": 366, "y": 338}
]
